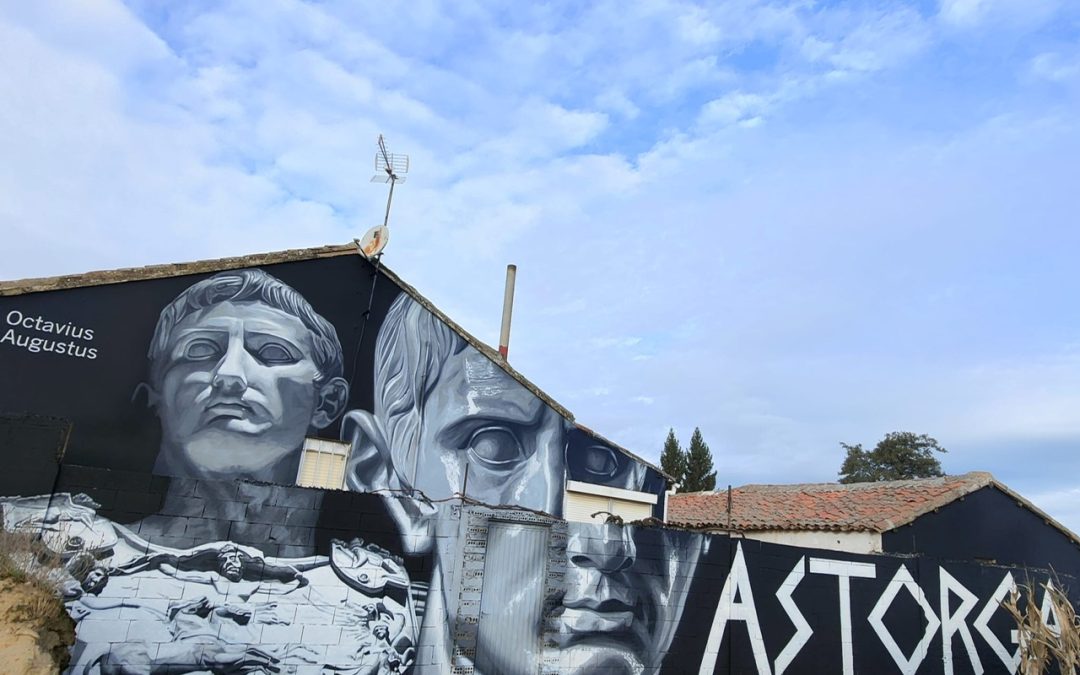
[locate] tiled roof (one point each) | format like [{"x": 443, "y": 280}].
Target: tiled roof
[{"x": 857, "y": 507}]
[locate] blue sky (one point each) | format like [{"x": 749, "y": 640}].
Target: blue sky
[{"x": 789, "y": 223}]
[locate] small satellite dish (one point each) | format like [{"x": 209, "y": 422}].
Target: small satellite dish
[{"x": 375, "y": 240}]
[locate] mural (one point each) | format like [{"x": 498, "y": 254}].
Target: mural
[
  {"x": 220, "y": 606},
  {"x": 241, "y": 369},
  {"x": 188, "y": 548}
]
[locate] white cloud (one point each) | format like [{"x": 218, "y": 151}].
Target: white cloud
[
  {"x": 788, "y": 275},
  {"x": 617, "y": 342},
  {"x": 732, "y": 108},
  {"x": 963, "y": 11},
  {"x": 1057, "y": 66},
  {"x": 616, "y": 101},
  {"x": 882, "y": 41},
  {"x": 1012, "y": 14}
]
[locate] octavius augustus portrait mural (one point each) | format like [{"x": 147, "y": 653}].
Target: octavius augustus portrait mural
[{"x": 241, "y": 369}]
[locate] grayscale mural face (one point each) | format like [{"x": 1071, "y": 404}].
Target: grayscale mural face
[
  {"x": 188, "y": 548},
  {"x": 625, "y": 592},
  {"x": 448, "y": 421},
  {"x": 241, "y": 368},
  {"x": 593, "y": 461}
]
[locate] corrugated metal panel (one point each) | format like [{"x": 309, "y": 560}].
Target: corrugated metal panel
[
  {"x": 510, "y": 611},
  {"x": 580, "y": 506}
]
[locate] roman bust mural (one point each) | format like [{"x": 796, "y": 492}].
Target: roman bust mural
[
  {"x": 193, "y": 403},
  {"x": 241, "y": 369}
]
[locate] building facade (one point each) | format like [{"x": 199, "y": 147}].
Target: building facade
[
  {"x": 293, "y": 463},
  {"x": 972, "y": 516}
]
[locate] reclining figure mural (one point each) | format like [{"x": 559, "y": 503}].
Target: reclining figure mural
[{"x": 220, "y": 606}]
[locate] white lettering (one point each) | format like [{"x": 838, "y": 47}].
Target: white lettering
[
  {"x": 982, "y": 624},
  {"x": 737, "y": 582},
  {"x": 956, "y": 622},
  {"x": 802, "y": 628},
  {"x": 1049, "y": 612},
  {"x": 18, "y": 317},
  {"x": 903, "y": 580},
  {"x": 844, "y": 570}
]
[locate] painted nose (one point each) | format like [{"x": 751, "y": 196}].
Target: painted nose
[
  {"x": 607, "y": 548},
  {"x": 230, "y": 376}
]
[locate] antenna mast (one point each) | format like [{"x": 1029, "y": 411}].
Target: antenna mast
[
  {"x": 388, "y": 169},
  {"x": 391, "y": 165}
]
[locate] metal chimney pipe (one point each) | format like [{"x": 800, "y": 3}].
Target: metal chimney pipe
[{"x": 508, "y": 310}]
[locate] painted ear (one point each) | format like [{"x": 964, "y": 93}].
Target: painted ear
[
  {"x": 333, "y": 397},
  {"x": 144, "y": 389},
  {"x": 371, "y": 469},
  {"x": 371, "y": 466}
]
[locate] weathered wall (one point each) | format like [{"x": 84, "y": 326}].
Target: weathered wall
[
  {"x": 189, "y": 549},
  {"x": 852, "y": 542}
]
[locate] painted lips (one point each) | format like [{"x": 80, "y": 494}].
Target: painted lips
[
  {"x": 612, "y": 621},
  {"x": 585, "y": 620},
  {"x": 224, "y": 411}
]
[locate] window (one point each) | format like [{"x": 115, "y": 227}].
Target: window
[
  {"x": 585, "y": 499},
  {"x": 322, "y": 464}
]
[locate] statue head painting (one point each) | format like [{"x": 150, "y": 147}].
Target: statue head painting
[
  {"x": 449, "y": 420},
  {"x": 241, "y": 369}
]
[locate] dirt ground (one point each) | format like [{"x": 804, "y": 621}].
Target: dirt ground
[{"x": 35, "y": 631}]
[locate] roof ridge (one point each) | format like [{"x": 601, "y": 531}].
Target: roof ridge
[
  {"x": 873, "y": 506},
  {"x": 160, "y": 271},
  {"x": 866, "y": 485}
]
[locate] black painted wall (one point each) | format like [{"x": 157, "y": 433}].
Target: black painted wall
[
  {"x": 990, "y": 526},
  {"x": 32, "y": 447},
  {"x": 112, "y": 425}
]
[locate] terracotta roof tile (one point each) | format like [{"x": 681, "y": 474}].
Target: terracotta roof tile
[{"x": 876, "y": 507}]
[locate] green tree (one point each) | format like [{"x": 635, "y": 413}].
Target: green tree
[
  {"x": 673, "y": 458},
  {"x": 699, "y": 467},
  {"x": 899, "y": 456}
]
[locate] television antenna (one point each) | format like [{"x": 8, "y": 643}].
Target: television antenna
[{"x": 389, "y": 168}]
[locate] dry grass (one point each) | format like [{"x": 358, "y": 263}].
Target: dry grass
[
  {"x": 33, "y": 574},
  {"x": 1043, "y": 644}
]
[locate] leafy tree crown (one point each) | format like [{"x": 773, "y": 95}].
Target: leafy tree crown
[{"x": 901, "y": 455}]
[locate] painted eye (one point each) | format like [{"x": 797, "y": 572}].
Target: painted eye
[
  {"x": 273, "y": 353},
  {"x": 601, "y": 461},
  {"x": 202, "y": 349},
  {"x": 496, "y": 447}
]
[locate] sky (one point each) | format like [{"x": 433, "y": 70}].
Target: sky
[{"x": 791, "y": 223}]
